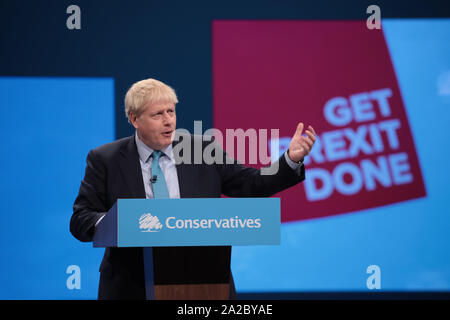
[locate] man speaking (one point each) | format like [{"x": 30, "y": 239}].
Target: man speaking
[{"x": 144, "y": 166}]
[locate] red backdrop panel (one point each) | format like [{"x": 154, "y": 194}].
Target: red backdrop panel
[{"x": 336, "y": 76}]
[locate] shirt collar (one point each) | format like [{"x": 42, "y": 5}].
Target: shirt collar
[{"x": 145, "y": 151}]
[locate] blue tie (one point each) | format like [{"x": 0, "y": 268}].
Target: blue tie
[
  {"x": 159, "y": 185},
  {"x": 159, "y": 192}
]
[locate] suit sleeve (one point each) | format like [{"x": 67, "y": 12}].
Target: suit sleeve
[
  {"x": 241, "y": 181},
  {"x": 89, "y": 205}
]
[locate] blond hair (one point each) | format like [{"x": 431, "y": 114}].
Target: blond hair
[{"x": 147, "y": 92}]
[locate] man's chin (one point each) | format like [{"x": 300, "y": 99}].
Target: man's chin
[{"x": 165, "y": 142}]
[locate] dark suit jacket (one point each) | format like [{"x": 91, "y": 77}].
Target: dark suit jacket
[{"x": 113, "y": 171}]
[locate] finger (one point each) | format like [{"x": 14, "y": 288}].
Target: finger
[
  {"x": 312, "y": 129},
  {"x": 299, "y": 130},
  {"x": 305, "y": 147},
  {"x": 308, "y": 141},
  {"x": 301, "y": 145},
  {"x": 311, "y": 135}
]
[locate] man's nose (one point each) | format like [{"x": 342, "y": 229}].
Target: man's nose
[{"x": 167, "y": 119}]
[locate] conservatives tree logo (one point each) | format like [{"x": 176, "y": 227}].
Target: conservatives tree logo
[{"x": 149, "y": 223}]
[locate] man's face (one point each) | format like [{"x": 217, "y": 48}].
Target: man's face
[{"x": 156, "y": 125}]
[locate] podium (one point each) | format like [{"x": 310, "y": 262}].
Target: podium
[{"x": 180, "y": 226}]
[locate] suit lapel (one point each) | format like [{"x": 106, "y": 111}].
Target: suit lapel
[{"x": 130, "y": 167}]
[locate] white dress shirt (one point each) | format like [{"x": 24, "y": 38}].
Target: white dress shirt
[{"x": 167, "y": 164}]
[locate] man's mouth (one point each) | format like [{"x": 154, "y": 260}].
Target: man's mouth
[{"x": 167, "y": 133}]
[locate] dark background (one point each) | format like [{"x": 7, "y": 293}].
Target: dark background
[{"x": 167, "y": 40}]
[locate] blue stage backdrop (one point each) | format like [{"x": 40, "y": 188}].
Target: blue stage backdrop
[{"x": 47, "y": 127}]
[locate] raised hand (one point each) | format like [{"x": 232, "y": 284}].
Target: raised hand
[{"x": 301, "y": 145}]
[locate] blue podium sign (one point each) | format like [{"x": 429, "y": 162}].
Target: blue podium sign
[{"x": 190, "y": 222}]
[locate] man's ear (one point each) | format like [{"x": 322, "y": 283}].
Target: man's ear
[{"x": 133, "y": 119}]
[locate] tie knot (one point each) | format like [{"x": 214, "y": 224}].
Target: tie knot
[{"x": 156, "y": 155}]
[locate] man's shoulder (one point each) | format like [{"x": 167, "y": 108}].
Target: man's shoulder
[{"x": 112, "y": 148}]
